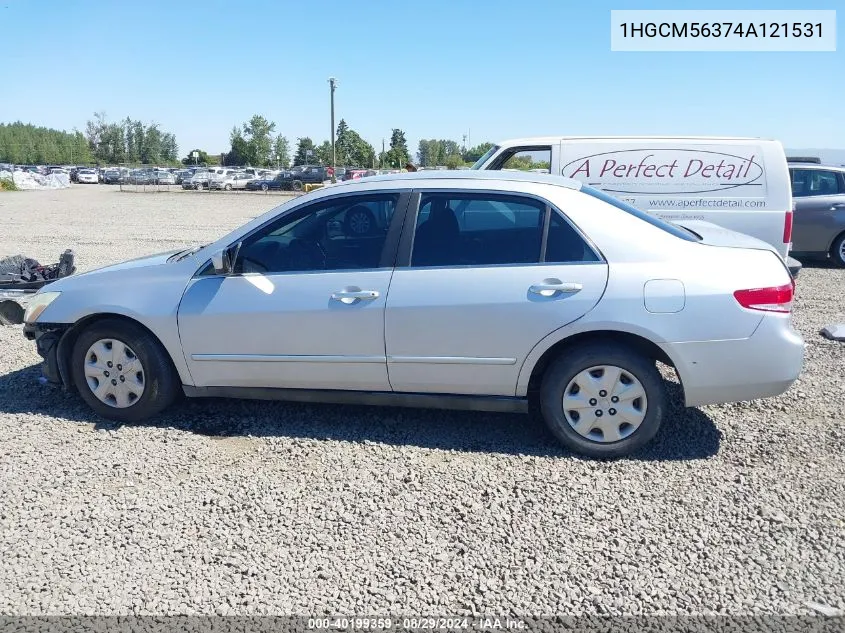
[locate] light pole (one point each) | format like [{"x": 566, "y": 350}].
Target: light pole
[{"x": 332, "y": 85}]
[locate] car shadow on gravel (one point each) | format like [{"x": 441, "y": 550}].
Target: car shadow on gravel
[
  {"x": 686, "y": 434},
  {"x": 817, "y": 262}
]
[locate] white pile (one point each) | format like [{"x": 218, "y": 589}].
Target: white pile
[{"x": 27, "y": 180}]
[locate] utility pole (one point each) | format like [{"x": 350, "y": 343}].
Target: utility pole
[{"x": 332, "y": 85}]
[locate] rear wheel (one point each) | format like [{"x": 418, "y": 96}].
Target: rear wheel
[
  {"x": 227, "y": 187},
  {"x": 199, "y": 186},
  {"x": 296, "y": 185},
  {"x": 122, "y": 371},
  {"x": 603, "y": 400},
  {"x": 837, "y": 251}
]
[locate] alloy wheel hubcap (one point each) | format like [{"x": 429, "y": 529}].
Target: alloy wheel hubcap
[
  {"x": 842, "y": 251},
  {"x": 114, "y": 373},
  {"x": 359, "y": 223},
  {"x": 604, "y": 403}
]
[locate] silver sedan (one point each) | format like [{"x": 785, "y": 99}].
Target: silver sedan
[{"x": 493, "y": 291}]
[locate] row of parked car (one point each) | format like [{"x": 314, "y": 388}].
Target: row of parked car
[
  {"x": 293, "y": 179},
  {"x": 220, "y": 178}
]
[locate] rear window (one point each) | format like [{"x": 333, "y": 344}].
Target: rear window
[{"x": 674, "y": 229}]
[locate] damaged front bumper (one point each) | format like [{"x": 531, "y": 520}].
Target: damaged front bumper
[{"x": 49, "y": 338}]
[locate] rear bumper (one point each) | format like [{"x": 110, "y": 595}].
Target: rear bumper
[
  {"x": 761, "y": 366},
  {"x": 794, "y": 266}
]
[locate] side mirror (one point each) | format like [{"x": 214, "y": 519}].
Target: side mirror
[{"x": 224, "y": 260}]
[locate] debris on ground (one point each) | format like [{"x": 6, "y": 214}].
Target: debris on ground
[
  {"x": 835, "y": 332},
  {"x": 30, "y": 181},
  {"x": 831, "y": 612}
]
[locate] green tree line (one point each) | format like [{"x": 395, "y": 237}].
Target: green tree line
[
  {"x": 130, "y": 141},
  {"x": 253, "y": 143},
  {"x": 25, "y": 144}
]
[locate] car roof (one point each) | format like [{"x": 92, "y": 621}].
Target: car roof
[
  {"x": 467, "y": 175},
  {"x": 816, "y": 166},
  {"x": 549, "y": 140}
]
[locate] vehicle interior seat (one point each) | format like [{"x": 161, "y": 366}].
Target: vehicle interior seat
[{"x": 438, "y": 237}]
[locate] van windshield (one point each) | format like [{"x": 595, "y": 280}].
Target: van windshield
[
  {"x": 480, "y": 162},
  {"x": 674, "y": 229}
]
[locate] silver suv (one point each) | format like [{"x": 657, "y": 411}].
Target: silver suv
[{"x": 818, "y": 192}]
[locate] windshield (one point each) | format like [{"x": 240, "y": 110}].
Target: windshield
[
  {"x": 478, "y": 164},
  {"x": 674, "y": 229}
]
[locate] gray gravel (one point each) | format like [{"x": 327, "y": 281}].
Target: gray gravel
[{"x": 254, "y": 507}]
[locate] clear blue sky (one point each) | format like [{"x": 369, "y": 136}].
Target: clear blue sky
[{"x": 497, "y": 68}]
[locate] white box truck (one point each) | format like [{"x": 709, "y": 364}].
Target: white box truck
[{"x": 741, "y": 184}]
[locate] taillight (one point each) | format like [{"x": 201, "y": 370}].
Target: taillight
[
  {"x": 774, "y": 299},
  {"x": 787, "y": 227}
]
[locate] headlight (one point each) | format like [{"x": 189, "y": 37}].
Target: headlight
[{"x": 37, "y": 305}]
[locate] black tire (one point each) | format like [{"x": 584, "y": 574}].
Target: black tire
[
  {"x": 199, "y": 186},
  {"x": 227, "y": 187},
  {"x": 11, "y": 313},
  {"x": 837, "y": 256},
  {"x": 359, "y": 221},
  {"x": 161, "y": 382},
  {"x": 570, "y": 364},
  {"x": 296, "y": 185},
  {"x": 265, "y": 187}
]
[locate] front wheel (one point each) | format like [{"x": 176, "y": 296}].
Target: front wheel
[
  {"x": 122, "y": 371},
  {"x": 264, "y": 187},
  {"x": 603, "y": 400},
  {"x": 837, "y": 251},
  {"x": 296, "y": 185},
  {"x": 199, "y": 186},
  {"x": 227, "y": 188}
]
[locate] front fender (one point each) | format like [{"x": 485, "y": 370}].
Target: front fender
[{"x": 146, "y": 297}]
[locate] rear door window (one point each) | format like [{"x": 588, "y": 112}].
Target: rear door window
[
  {"x": 477, "y": 230},
  {"x": 565, "y": 245},
  {"x": 488, "y": 229}
]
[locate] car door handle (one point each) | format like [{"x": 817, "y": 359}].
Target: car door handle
[
  {"x": 550, "y": 287},
  {"x": 351, "y": 296}
]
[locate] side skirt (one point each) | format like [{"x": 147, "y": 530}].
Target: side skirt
[{"x": 501, "y": 404}]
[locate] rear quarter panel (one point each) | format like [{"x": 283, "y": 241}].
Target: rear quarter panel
[{"x": 638, "y": 253}]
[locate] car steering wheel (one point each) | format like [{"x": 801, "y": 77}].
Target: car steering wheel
[{"x": 306, "y": 255}]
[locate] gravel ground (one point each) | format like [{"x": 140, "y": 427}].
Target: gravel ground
[{"x": 259, "y": 507}]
